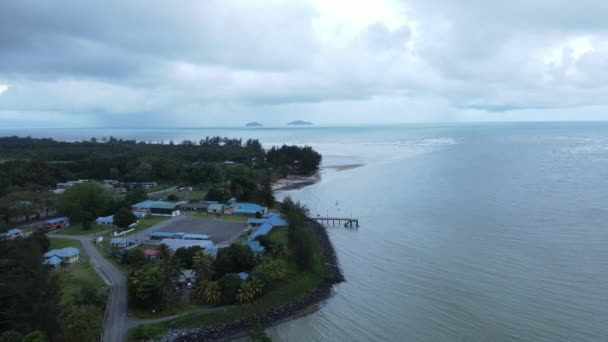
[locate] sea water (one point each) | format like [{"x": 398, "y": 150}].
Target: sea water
[{"x": 470, "y": 232}]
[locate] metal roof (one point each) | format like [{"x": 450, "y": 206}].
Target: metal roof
[
  {"x": 243, "y": 275},
  {"x": 154, "y": 205},
  {"x": 162, "y": 234},
  {"x": 67, "y": 252},
  {"x": 57, "y": 220},
  {"x": 175, "y": 244},
  {"x": 211, "y": 250},
  {"x": 106, "y": 219},
  {"x": 151, "y": 252},
  {"x": 195, "y": 236},
  {"x": 262, "y": 230},
  {"x": 53, "y": 261},
  {"x": 255, "y": 246},
  {"x": 119, "y": 241}
]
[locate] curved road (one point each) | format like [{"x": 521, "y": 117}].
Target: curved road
[
  {"x": 116, "y": 309},
  {"x": 116, "y": 322}
]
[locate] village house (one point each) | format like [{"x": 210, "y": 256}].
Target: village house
[
  {"x": 245, "y": 208},
  {"x": 195, "y": 207},
  {"x": 121, "y": 242},
  {"x": 107, "y": 220},
  {"x": 63, "y": 256},
  {"x": 215, "y": 208},
  {"x": 157, "y": 208},
  {"x": 56, "y": 223},
  {"x": 151, "y": 254},
  {"x": 255, "y": 246},
  {"x": 12, "y": 234}
]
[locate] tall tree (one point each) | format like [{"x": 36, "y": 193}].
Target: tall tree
[
  {"x": 124, "y": 218},
  {"x": 82, "y": 323},
  {"x": 84, "y": 202}
]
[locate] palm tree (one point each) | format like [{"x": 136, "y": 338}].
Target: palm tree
[
  {"x": 246, "y": 293},
  {"x": 164, "y": 251},
  {"x": 279, "y": 251},
  {"x": 203, "y": 265},
  {"x": 257, "y": 286},
  {"x": 274, "y": 269},
  {"x": 213, "y": 292}
]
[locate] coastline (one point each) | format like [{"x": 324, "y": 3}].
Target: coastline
[
  {"x": 300, "y": 306},
  {"x": 294, "y": 182}
]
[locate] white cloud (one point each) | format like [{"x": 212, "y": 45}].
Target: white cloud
[
  {"x": 218, "y": 62},
  {"x": 3, "y": 88}
]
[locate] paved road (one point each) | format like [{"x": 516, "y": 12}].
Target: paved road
[
  {"x": 163, "y": 192},
  {"x": 116, "y": 310},
  {"x": 116, "y": 322}
]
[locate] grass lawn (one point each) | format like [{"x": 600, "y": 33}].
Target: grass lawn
[
  {"x": 77, "y": 229},
  {"x": 174, "y": 309},
  {"x": 280, "y": 293},
  {"x": 62, "y": 243},
  {"x": 160, "y": 187},
  {"x": 195, "y": 195},
  {"x": 74, "y": 277},
  {"x": 148, "y": 222},
  {"x": 241, "y": 238}
]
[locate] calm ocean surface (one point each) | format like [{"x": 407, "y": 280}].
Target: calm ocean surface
[{"x": 480, "y": 232}]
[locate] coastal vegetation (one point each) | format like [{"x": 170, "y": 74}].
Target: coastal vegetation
[
  {"x": 38, "y": 164},
  {"x": 274, "y": 278},
  {"x": 37, "y": 302},
  {"x": 237, "y": 282}
]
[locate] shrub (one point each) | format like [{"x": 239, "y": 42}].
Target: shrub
[{"x": 230, "y": 285}]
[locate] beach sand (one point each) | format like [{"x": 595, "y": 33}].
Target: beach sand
[{"x": 294, "y": 182}]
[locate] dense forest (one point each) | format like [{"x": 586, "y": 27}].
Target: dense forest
[
  {"x": 30, "y": 306},
  {"x": 29, "y": 164}
]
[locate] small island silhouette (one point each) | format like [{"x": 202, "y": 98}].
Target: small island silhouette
[
  {"x": 300, "y": 123},
  {"x": 253, "y": 124}
]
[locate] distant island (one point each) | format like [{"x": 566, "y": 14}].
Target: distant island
[
  {"x": 300, "y": 123},
  {"x": 254, "y": 124}
]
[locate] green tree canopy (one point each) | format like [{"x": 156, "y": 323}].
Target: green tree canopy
[
  {"x": 82, "y": 323},
  {"x": 85, "y": 202},
  {"x": 124, "y": 218}
]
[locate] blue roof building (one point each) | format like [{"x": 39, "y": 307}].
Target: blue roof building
[
  {"x": 175, "y": 244},
  {"x": 67, "y": 255},
  {"x": 274, "y": 219},
  {"x": 53, "y": 261},
  {"x": 161, "y": 235},
  {"x": 247, "y": 208},
  {"x": 139, "y": 214},
  {"x": 211, "y": 250},
  {"x": 243, "y": 275},
  {"x": 257, "y": 221},
  {"x": 57, "y": 220},
  {"x": 105, "y": 220},
  {"x": 262, "y": 230},
  {"x": 195, "y": 237},
  {"x": 255, "y": 246},
  {"x": 12, "y": 233}
]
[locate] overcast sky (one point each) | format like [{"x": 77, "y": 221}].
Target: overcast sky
[{"x": 212, "y": 63}]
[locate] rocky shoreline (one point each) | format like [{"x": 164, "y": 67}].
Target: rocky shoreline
[{"x": 299, "y": 306}]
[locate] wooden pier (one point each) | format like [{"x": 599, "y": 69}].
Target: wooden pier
[{"x": 348, "y": 222}]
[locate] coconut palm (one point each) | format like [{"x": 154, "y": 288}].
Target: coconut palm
[
  {"x": 213, "y": 292},
  {"x": 257, "y": 286},
  {"x": 203, "y": 265},
  {"x": 246, "y": 293},
  {"x": 163, "y": 251},
  {"x": 274, "y": 269},
  {"x": 279, "y": 251}
]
